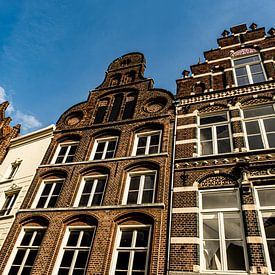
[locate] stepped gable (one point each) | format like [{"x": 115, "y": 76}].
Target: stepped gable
[{"x": 215, "y": 72}]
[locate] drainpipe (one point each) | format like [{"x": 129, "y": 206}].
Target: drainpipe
[{"x": 176, "y": 103}]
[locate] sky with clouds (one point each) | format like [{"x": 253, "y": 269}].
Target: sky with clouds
[{"x": 53, "y": 52}]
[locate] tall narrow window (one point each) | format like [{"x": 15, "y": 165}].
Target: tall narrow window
[
  {"x": 147, "y": 143},
  {"x": 91, "y": 191},
  {"x": 129, "y": 108},
  {"x": 49, "y": 193},
  {"x": 132, "y": 251},
  {"x": 215, "y": 136},
  {"x": 116, "y": 107},
  {"x": 249, "y": 70},
  {"x": 140, "y": 188},
  {"x": 104, "y": 148},
  {"x": 259, "y": 124},
  {"x": 66, "y": 152},
  {"x": 101, "y": 110},
  {"x": 8, "y": 204},
  {"x": 221, "y": 231},
  {"x": 266, "y": 204},
  {"x": 76, "y": 249},
  {"x": 13, "y": 169},
  {"x": 26, "y": 251}
]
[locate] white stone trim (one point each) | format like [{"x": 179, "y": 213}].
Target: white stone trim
[
  {"x": 182, "y": 240},
  {"x": 185, "y": 210},
  {"x": 187, "y": 126},
  {"x": 249, "y": 207},
  {"x": 187, "y": 115},
  {"x": 237, "y": 118},
  {"x": 238, "y": 135},
  {"x": 185, "y": 189},
  {"x": 254, "y": 239},
  {"x": 186, "y": 141}
]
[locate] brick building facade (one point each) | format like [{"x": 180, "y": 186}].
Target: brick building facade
[
  {"x": 223, "y": 210},
  {"x": 7, "y": 132},
  {"x": 98, "y": 203}
]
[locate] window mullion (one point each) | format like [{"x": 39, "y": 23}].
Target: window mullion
[
  {"x": 222, "y": 241},
  {"x": 50, "y": 194},
  {"x": 214, "y": 140},
  {"x": 147, "y": 146},
  {"x": 249, "y": 74},
  {"x": 263, "y": 133},
  {"x": 105, "y": 150},
  {"x": 66, "y": 153},
  {"x": 141, "y": 188},
  {"x": 95, "y": 181}
]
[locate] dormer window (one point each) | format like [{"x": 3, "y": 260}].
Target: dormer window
[{"x": 248, "y": 70}]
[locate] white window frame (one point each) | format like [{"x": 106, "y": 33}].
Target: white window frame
[
  {"x": 41, "y": 188},
  {"x": 17, "y": 245},
  {"x": 222, "y": 245},
  {"x": 247, "y": 67},
  {"x": 213, "y": 128},
  {"x": 106, "y": 140},
  {"x": 260, "y": 210},
  {"x": 13, "y": 169},
  {"x": 132, "y": 249},
  {"x": 148, "y": 140},
  {"x": 260, "y": 120},
  {"x": 76, "y": 248},
  {"x": 9, "y": 207},
  {"x": 82, "y": 185},
  {"x": 141, "y": 185},
  {"x": 60, "y": 145}
]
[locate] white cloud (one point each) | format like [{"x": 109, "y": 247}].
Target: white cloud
[{"x": 28, "y": 122}]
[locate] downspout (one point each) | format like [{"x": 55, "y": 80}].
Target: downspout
[{"x": 176, "y": 102}]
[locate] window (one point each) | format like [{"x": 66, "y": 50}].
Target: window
[
  {"x": 266, "y": 204},
  {"x": 104, "y": 148},
  {"x": 132, "y": 251},
  {"x": 13, "y": 169},
  {"x": 221, "y": 231},
  {"x": 259, "y": 124},
  {"x": 49, "y": 193},
  {"x": 214, "y": 134},
  {"x": 91, "y": 191},
  {"x": 66, "y": 152},
  {"x": 26, "y": 250},
  {"x": 75, "y": 251},
  {"x": 116, "y": 107},
  {"x": 140, "y": 188},
  {"x": 129, "y": 107},
  {"x": 8, "y": 204},
  {"x": 147, "y": 143},
  {"x": 249, "y": 70}
]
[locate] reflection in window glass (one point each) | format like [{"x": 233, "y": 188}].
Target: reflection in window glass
[{"x": 223, "y": 246}]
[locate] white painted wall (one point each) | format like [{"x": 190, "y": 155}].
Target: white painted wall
[{"x": 29, "y": 149}]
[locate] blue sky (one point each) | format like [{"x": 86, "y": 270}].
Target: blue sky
[{"x": 53, "y": 52}]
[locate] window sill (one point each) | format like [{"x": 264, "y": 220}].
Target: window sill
[
  {"x": 105, "y": 160},
  {"x": 96, "y": 208},
  {"x": 6, "y": 217}
]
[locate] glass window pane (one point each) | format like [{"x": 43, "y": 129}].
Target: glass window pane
[
  {"x": 259, "y": 111},
  {"x": 132, "y": 197},
  {"x": 100, "y": 185},
  {"x": 266, "y": 197},
  {"x": 134, "y": 183},
  {"x": 235, "y": 255},
  {"x": 147, "y": 196},
  {"x": 87, "y": 238},
  {"x": 214, "y": 200},
  {"x": 139, "y": 260},
  {"x": 88, "y": 186},
  {"x": 232, "y": 226},
  {"x": 73, "y": 238},
  {"x": 126, "y": 238},
  {"x": 269, "y": 124},
  {"x": 142, "y": 141},
  {"x": 242, "y": 80},
  {"x": 256, "y": 68},
  {"x": 224, "y": 146},
  {"x": 123, "y": 260},
  {"x": 271, "y": 140},
  {"x": 38, "y": 238},
  {"x": 207, "y": 148},
  {"x": 81, "y": 259},
  {"x": 31, "y": 257},
  {"x": 213, "y": 119},
  {"x": 212, "y": 257},
  {"x": 19, "y": 257},
  {"x": 258, "y": 78},
  {"x": 67, "y": 258},
  {"x": 255, "y": 142},
  {"x": 241, "y": 71},
  {"x": 222, "y": 131},
  {"x": 206, "y": 134},
  {"x": 252, "y": 127},
  {"x": 210, "y": 227},
  {"x": 247, "y": 60},
  {"x": 154, "y": 139},
  {"x": 47, "y": 189},
  {"x": 142, "y": 238},
  {"x": 149, "y": 181},
  {"x": 27, "y": 238}
]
